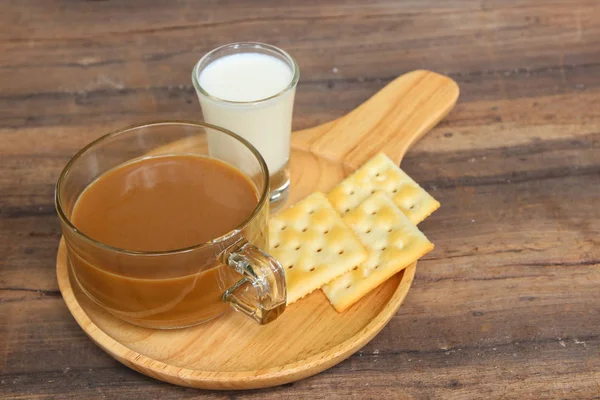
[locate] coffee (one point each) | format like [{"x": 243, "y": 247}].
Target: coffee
[{"x": 161, "y": 204}]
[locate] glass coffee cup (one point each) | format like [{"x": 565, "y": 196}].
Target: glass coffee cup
[{"x": 174, "y": 287}]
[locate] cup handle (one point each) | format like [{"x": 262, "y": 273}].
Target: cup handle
[{"x": 261, "y": 293}]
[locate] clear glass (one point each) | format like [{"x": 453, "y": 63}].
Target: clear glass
[
  {"x": 266, "y": 122},
  {"x": 183, "y": 287}
]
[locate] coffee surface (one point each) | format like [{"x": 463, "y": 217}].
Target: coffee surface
[{"x": 164, "y": 203}]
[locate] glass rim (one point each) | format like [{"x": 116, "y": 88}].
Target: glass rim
[
  {"x": 58, "y": 203},
  {"x": 286, "y": 55}
]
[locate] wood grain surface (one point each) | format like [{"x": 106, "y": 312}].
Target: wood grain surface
[{"x": 507, "y": 305}]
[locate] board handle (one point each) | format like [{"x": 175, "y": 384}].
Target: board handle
[{"x": 390, "y": 121}]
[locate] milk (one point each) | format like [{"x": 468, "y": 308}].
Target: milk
[{"x": 248, "y": 96}]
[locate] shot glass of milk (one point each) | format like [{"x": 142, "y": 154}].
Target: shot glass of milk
[{"x": 248, "y": 88}]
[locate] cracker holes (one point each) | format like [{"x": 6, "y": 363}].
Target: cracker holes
[
  {"x": 291, "y": 266},
  {"x": 349, "y": 286},
  {"x": 377, "y": 266},
  {"x": 311, "y": 211},
  {"x": 305, "y": 229},
  {"x": 326, "y": 232},
  {"x": 395, "y": 190},
  {"x": 284, "y": 227},
  {"x": 374, "y": 212},
  {"x": 319, "y": 250},
  {"x": 390, "y": 230},
  {"x": 298, "y": 247},
  {"x": 312, "y": 269},
  {"x": 368, "y": 231},
  {"x": 373, "y": 191},
  {"x": 384, "y": 248},
  {"x": 411, "y": 207},
  {"x": 355, "y": 268},
  {"x": 341, "y": 252},
  {"x": 276, "y": 246}
]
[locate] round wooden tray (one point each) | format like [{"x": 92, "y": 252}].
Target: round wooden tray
[{"x": 232, "y": 352}]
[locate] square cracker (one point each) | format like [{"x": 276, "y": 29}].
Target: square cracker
[
  {"x": 313, "y": 245},
  {"x": 393, "y": 242},
  {"x": 382, "y": 174}
]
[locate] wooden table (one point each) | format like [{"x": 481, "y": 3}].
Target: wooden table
[{"x": 507, "y": 305}]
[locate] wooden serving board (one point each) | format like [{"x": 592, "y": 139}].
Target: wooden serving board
[{"x": 233, "y": 352}]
